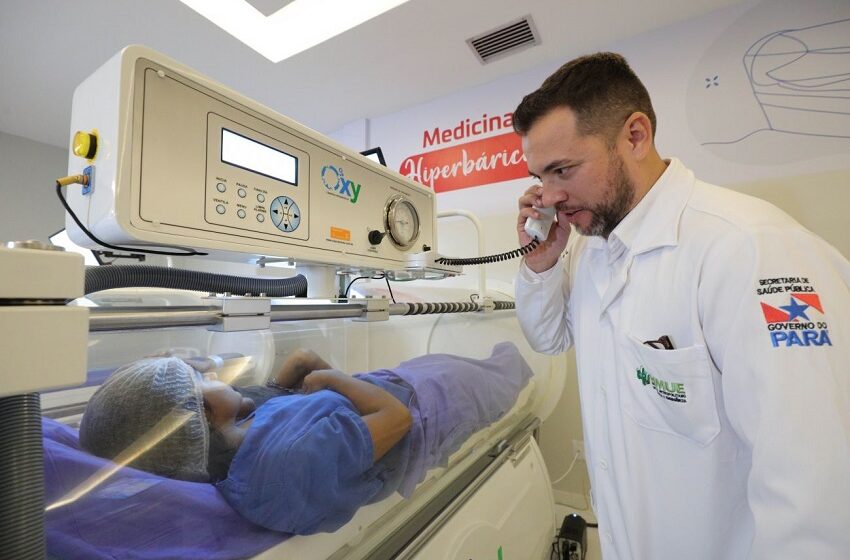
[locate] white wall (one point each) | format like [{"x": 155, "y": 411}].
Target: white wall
[
  {"x": 805, "y": 169},
  {"x": 805, "y": 174},
  {"x": 28, "y": 171}
]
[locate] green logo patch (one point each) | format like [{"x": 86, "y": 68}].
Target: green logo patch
[{"x": 671, "y": 391}]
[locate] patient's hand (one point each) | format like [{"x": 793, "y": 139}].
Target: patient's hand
[
  {"x": 322, "y": 379},
  {"x": 386, "y": 417},
  {"x": 297, "y": 366}
]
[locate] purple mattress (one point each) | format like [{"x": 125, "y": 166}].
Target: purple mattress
[{"x": 134, "y": 514}]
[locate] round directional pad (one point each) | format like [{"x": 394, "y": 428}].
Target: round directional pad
[{"x": 285, "y": 214}]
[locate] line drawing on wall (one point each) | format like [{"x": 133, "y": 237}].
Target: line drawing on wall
[{"x": 800, "y": 79}]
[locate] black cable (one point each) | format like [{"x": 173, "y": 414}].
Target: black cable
[
  {"x": 345, "y": 295},
  {"x": 524, "y": 250},
  {"x": 555, "y": 553},
  {"x": 187, "y": 253},
  {"x": 392, "y": 297}
]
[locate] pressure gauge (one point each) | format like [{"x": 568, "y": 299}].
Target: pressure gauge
[{"x": 401, "y": 221}]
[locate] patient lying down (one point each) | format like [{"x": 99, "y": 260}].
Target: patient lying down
[{"x": 303, "y": 453}]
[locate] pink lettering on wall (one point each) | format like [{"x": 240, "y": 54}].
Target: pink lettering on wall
[
  {"x": 481, "y": 162},
  {"x": 467, "y": 128}
]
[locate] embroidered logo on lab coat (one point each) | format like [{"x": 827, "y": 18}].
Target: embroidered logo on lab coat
[
  {"x": 671, "y": 391},
  {"x": 793, "y": 312}
]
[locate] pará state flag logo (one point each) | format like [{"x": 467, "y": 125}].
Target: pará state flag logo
[{"x": 793, "y": 312}]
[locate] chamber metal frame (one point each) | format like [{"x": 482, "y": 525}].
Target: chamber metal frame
[{"x": 130, "y": 318}]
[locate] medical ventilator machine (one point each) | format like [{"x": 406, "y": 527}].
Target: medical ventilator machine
[{"x": 166, "y": 162}]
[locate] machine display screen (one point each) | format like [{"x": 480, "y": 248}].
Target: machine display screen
[{"x": 249, "y": 154}]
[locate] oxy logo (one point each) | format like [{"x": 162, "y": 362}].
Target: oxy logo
[{"x": 336, "y": 183}]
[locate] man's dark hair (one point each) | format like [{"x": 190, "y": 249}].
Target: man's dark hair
[{"x": 601, "y": 89}]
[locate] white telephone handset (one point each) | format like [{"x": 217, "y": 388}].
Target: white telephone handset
[{"x": 538, "y": 228}]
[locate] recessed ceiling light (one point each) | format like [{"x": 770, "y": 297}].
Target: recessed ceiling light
[{"x": 296, "y": 27}]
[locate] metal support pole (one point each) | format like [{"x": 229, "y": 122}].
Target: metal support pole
[{"x": 131, "y": 318}]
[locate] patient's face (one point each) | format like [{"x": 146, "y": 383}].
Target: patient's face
[{"x": 222, "y": 404}]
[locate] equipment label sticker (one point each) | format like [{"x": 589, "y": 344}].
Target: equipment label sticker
[
  {"x": 340, "y": 234},
  {"x": 793, "y": 312}
]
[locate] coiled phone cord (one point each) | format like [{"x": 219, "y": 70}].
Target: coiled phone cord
[{"x": 524, "y": 250}]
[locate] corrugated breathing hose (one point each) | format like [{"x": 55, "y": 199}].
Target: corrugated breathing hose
[
  {"x": 106, "y": 277},
  {"x": 22, "y": 487}
]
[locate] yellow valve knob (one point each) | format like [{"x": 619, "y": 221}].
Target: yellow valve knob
[{"x": 85, "y": 144}]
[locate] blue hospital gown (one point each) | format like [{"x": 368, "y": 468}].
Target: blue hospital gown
[{"x": 306, "y": 463}]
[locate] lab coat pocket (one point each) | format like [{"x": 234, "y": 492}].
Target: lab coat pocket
[{"x": 671, "y": 390}]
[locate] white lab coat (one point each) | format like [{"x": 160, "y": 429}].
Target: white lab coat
[{"x": 735, "y": 444}]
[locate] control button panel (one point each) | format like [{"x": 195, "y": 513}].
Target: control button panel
[
  {"x": 285, "y": 214},
  {"x": 266, "y": 195},
  {"x": 233, "y": 201}
]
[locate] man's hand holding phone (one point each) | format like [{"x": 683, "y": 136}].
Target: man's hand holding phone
[{"x": 545, "y": 256}]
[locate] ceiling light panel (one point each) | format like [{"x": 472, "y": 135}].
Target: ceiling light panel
[{"x": 294, "y": 28}]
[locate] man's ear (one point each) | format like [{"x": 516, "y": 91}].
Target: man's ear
[{"x": 638, "y": 134}]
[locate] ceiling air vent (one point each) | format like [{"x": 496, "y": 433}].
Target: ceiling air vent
[{"x": 507, "y": 39}]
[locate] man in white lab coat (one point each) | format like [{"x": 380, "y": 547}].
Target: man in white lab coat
[{"x": 712, "y": 336}]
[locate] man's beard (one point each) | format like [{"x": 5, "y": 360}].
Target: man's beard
[{"x": 610, "y": 212}]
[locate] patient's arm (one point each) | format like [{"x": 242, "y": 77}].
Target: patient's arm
[
  {"x": 299, "y": 364},
  {"x": 387, "y": 418}
]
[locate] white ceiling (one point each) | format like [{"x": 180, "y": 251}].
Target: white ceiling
[{"x": 411, "y": 54}]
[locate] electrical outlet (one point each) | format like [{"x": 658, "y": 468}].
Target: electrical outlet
[{"x": 578, "y": 447}]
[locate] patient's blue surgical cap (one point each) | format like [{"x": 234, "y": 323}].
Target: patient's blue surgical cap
[{"x": 138, "y": 405}]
